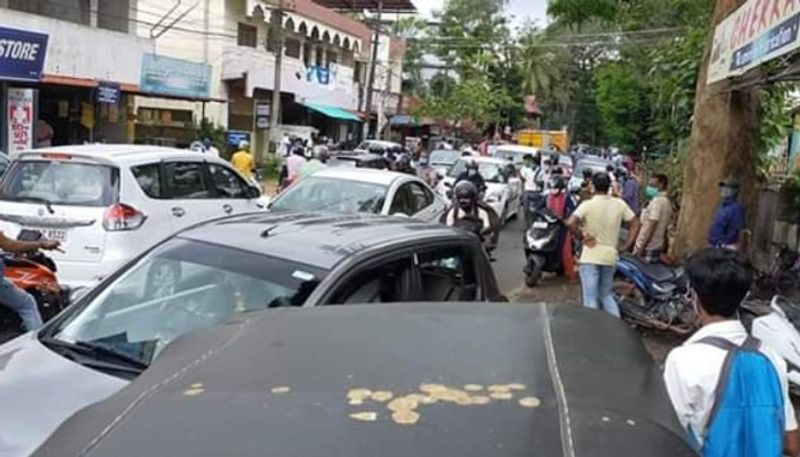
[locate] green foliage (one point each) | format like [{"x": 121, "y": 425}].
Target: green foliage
[
  {"x": 412, "y": 28},
  {"x": 776, "y": 121},
  {"x": 673, "y": 167},
  {"x": 475, "y": 99},
  {"x": 620, "y": 104},
  {"x": 207, "y": 129},
  {"x": 578, "y": 12}
]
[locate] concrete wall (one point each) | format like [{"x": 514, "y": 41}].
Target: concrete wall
[{"x": 83, "y": 52}]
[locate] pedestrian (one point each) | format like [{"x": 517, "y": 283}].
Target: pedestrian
[
  {"x": 729, "y": 392},
  {"x": 318, "y": 162},
  {"x": 293, "y": 163},
  {"x": 285, "y": 145},
  {"x": 473, "y": 175},
  {"x": 242, "y": 160},
  {"x": 630, "y": 191},
  {"x": 530, "y": 188},
  {"x": 586, "y": 190},
  {"x": 597, "y": 223},
  {"x": 211, "y": 150},
  {"x": 614, "y": 190},
  {"x": 651, "y": 243},
  {"x": 13, "y": 297},
  {"x": 728, "y": 222}
]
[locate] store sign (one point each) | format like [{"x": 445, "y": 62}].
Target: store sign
[
  {"x": 20, "y": 119},
  {"x": 108, "y": 93},
  {"x": 263, "y": 112},
  {"x": 175, "y": 77},
  {"x": 22, "y": 54},
  {"x": 757, "y": 32},
  {"x": 234, "y": 137}
]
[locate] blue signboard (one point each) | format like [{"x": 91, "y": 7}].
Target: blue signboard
[
  {"x": 234, "y": 137},
  {"x": 176, "y": 77},
  {"x": 22, "y": 54},
  {"x": 108, "y": 93}
]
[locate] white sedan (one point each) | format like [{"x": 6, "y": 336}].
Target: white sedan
[
  {"x": 361, "y": 190},
  {"x": 503, "y": 185}
]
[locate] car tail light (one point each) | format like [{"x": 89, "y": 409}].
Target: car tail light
[{"x": 121, "y": 217}]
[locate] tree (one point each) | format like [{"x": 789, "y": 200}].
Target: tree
[
  {"x": 539, "y": 64},
  {"x": 412, "y": 28},
  {"x": 620, "y": 104}
]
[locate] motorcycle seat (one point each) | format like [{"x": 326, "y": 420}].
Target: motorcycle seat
[{"x": 655, "y": 272}]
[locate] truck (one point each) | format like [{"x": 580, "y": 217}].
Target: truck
[{"x": 543, "y": 139}]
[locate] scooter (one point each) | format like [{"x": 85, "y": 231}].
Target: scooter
[
  {"x": 653, "y": 295},
  {"x": 540, "y": 242},
  {"x": 776, "y": 325},
  {"x": 36, "y": 274}
]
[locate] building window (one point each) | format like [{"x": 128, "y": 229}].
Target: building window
[
  {"x": 306, "y": 53},
  {"x": 247, "y": 35},
  {"x": 76, "y": 11},
  {"x": 293, "y": 48},
  {"x": 332, "y": 58},
  {"x": 359, "y": 68}
]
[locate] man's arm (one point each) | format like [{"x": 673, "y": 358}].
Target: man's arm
[
  {"x": 633, "y": 229},
  {"x": 10, "y": 245},
  {"x": 574, "y": 223},
  {"x": 647, "y": 230}
]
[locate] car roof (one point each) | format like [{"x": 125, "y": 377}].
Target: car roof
[
  {"x": 319, "y": 240},
  {"x": 486, "y": 160},
  {"x": 119, "y": 153},
  {"x": 382, "y": 143},
  {"x": 516, "y": 148},
  {"x": 366, "y": 175},
  {"x": 217, "y": 391}
]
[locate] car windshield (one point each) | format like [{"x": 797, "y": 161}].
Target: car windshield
[
  {"x": 180, "y": 287},
  {"x": 515, "y": 156},
  {"x": 333, "y": 195},
  {"x": 490, "y": 171},
  {"x": 61, "y": 183},
  {"x": 444, "y": 157}
]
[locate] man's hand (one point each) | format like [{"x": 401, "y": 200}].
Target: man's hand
[
  {"x": 589, "y": 240},
  {"x": 49, "y": 245}
]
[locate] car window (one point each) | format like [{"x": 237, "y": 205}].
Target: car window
[
  {"x": 226, "y": 183},
  {"x": 403, "y": 202},
  {"x": 185, "y": 180},
  {"x": 61, "y": 182},
  {"x": 178, "y": 288},
  {"x": 149, "y": 179},
  {"x": 332, "y": 195},
  {"x": 387, "y": 282},
  {"x": 421, "y": 196},
  {"x": 444, "y": 157},
  {"x": 490, "y": 171},
  {"x": 447, "y": 274}
]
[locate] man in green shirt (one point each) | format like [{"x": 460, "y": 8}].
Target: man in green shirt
[{"x": 597, "y": 223}]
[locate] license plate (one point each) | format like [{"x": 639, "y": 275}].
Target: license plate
[
  {"x": 540, "y": 225},
  {"x": 60, "y": 235}
]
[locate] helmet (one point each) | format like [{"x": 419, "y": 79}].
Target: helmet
[
  {"x": 465, "y": 190},
  {"x": 558, "y": 183}
]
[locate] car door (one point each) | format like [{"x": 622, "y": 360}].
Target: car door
[
  {"x": 230, "y": 193},
  {"x": 400, "y": 201},
  {"x": 426, "y": 206},
  {"x": 189, "y": 193}
]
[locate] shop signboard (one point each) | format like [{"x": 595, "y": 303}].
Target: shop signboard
[
  {"x": 234, "y": 137},
  {"x": 174, "y": 77},
  {"x": 108, "y": 93},
  {"x": 263, "y": 111},
  {"x": 757, "y": 32},
  {"x": 20, "y": 119},
  {"x": 22, "y": 54}
]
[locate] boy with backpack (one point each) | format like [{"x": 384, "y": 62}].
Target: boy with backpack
[{"x": 729, "y": 392}]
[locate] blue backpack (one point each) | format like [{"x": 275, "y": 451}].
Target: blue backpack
[{"x": 747, "y": 419}]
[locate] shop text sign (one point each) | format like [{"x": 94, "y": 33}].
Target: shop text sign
[
  {"x": 759, "y": 31},
  {"x": 20, "y": 119},
  {"x": 22, "y": 54},
  {"x": 175, "y": 77}
]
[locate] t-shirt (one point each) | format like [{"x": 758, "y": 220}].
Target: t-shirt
[
  {"x": 529, "y": 176},
  {"x": 659, "y": 212},
  {"x": 242, "y": 161},
  {"x": 602, "y": 217}
]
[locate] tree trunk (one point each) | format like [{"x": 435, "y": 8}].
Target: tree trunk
[{"x": 724, "y": 142}]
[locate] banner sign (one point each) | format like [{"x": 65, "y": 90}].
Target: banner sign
[
  {"x": 108, "y": 93},
  {"x": 263, "y": 112},
  {"x": 757, "y": 32},
  {"x": 20, "y": 119},
  {"x": 175, "y": 77},
  {"x": 22, "y": 54}
]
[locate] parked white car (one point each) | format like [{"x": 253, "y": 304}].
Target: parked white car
[
  {"x": 503, "y": 185},
  {"x": 377, "y": 146},
  {"x": 108, "y": 203},
  {"x": 362, "y": 190}
]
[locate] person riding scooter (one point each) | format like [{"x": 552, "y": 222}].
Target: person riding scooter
[
  {"x": 473, "y": 175},
  {"x": 468, "y": 213}
]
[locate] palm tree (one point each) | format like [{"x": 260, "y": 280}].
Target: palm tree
[{"x": 539, "y": 64}]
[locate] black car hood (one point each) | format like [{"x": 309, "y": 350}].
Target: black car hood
[{"x": 210, "y": 393}]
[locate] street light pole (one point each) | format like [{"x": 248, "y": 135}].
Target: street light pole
[
  {"x": 277, "y": 24},
  {"x": 373, "y": 62}
]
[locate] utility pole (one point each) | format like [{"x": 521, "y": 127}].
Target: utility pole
[
  {"x": 372, "y": 63},
  {"x": 277, "y": 32}
]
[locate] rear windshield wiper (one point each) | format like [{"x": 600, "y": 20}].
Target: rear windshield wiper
[
  {"x": 96, "y": 352},
  {"x": 47, "y": 203}
]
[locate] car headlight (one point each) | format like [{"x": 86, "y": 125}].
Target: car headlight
[{"x": 494, "y": 197}]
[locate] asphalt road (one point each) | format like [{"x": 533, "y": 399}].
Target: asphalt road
[{"x": 510, "y": 258}]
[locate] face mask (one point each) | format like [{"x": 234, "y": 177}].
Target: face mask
[
  {"x": 727, "y": 192},
  {"x": 650, "y": 192},
  {"x": 472, "y": 172}
]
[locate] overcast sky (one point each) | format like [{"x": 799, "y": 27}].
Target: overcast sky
[{"x": 535, "y": 10}]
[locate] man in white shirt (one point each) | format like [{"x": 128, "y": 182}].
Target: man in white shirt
[
  {"x": 719, "y": 281},
  {"x": 531, "y": 191},
  {"x": 211, "y": 150}
]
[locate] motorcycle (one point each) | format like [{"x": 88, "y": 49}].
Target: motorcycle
[
  {"x": 653, "y": 295},
  {"x": 540, "y": 243},
  {"x": 36, "y": 274},
  {"x": 776, "y": 325}
]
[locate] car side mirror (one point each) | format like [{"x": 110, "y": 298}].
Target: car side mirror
[{"x": 253, "y": 192}]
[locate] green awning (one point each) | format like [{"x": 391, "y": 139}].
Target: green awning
[{"x": 332, "y": 112}]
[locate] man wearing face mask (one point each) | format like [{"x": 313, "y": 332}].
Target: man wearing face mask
[
  {"x": 651, "y": 243},
  {"x": 472, "y": 175},
  {"x": 729, "y": 221}
]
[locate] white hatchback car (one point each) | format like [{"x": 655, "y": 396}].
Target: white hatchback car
[
  {"x": 108, "y": 203},
  {"x": 503, "y": 185},
  {"x": 362, "y": 190}
]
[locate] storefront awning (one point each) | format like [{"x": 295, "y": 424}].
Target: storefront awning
[{"x": 332, "y": 112}]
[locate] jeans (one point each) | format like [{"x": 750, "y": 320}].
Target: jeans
[
  {"x": 21, "y": 303},
  {"x": 597, "y": 282}
]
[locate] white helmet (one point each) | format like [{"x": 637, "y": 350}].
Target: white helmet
[{"x": 244, "y": 144}]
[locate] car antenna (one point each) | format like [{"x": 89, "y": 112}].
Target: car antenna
[{"x": 266, "y": 233}]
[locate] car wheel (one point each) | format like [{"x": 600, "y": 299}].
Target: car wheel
[{"x": 162, "y": 279}]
